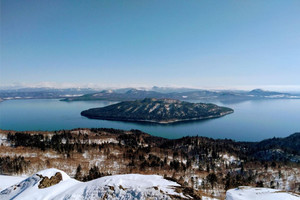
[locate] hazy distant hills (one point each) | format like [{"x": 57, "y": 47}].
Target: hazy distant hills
[
  {"x": 263, "y": 93},
  {"x": 132, "y": 94},
  {"x": 43, "y": 93},
  {"x": 157, "y": 110},
  {"x": 205, "y": 95},
  {"x": 125, "y": 94}
]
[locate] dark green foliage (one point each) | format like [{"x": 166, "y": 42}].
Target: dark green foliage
[
  {"x": 58, "y": 142},
  {"x": 129, "y": 140},
  {"x": 175, "y": 165},
  {"x": 238, "y": 178},
  {"x": 78, "y": 174},
  {"x": 93, "y": 174},
  {"x": 267, "y": 148},
  {"x": 10, "y": 165},
  {"x": 260, "y": 184},
  {"x": 157, "y": 111},
  {"x": 149, "y": 153},
  {"x": 212, "y": 179},
  {"x": 27, "y": 140},
  {"x": 155, "y": 161}
]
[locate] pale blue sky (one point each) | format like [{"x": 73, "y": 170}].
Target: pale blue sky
[{"x": 132, "y": 43}]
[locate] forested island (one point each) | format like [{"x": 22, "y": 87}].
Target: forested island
[{"x": 157, "y": 111}]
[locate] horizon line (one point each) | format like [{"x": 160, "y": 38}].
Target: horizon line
[{"x": 53, "y": 85}]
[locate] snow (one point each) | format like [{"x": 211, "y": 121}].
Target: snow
[
  {"x": 86, "y": 154},
  {"x": 154, "y": 107},
  {"x": 3, "y": 140},
  {"x": 13, "y": 154},
  {"x": 229, "y": 158},
  {"x": 208, "y": 198},
  {"x": 128, "y": 186},
  {"x": 52, "y": 171},
  {"x": 51, "y": 155},
  {"x": 6, "y": 181},
  {"x": 71, "y": 95},
  {"x": 102, "y": 141},
  {"x": 249, "y": 193}
]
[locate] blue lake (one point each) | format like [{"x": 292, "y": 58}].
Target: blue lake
[{"x": 251, "y": 121}]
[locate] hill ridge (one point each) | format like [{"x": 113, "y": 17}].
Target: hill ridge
[{"x": 157, "y": 110}]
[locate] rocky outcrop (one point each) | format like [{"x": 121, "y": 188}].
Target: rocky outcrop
[{"x": 47, "y": 182}]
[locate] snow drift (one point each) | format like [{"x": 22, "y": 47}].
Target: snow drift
[
  {"x": 250, "y": 193},
  {"x": 129, "y": 186}
]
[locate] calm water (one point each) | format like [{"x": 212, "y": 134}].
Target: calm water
[{"x": 251, "y": 121}]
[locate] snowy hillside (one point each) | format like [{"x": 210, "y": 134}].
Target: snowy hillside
[
  {"x": 6, "y": 181},
  {"x": 129, "y": 186},
  {"x": 250, "y": 193},
  {"x": 56, "y": 184}
]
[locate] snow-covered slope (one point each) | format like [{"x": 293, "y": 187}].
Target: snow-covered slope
[
  {"x": 6, "y": 181},
  {"x": 129, "y": 186},
  {"x": 250, "y": 193}
]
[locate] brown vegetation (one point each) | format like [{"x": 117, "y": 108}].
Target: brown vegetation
[{"x": 205, "y": 165}]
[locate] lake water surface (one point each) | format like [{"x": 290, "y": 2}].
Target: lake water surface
[{"x": 251, "y": 120}]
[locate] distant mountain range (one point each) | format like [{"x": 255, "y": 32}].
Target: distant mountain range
[
  {"x": 157, "y": 111},
  {"x": 125, "y": 94},
  {"x": 43, "y": 93},
  {"x": 204, "y": 95}
]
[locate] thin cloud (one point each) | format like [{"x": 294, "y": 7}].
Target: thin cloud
[{"x": 18, "y": 85}]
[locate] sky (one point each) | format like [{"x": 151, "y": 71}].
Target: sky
[{"x": 200, "y": 44}]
